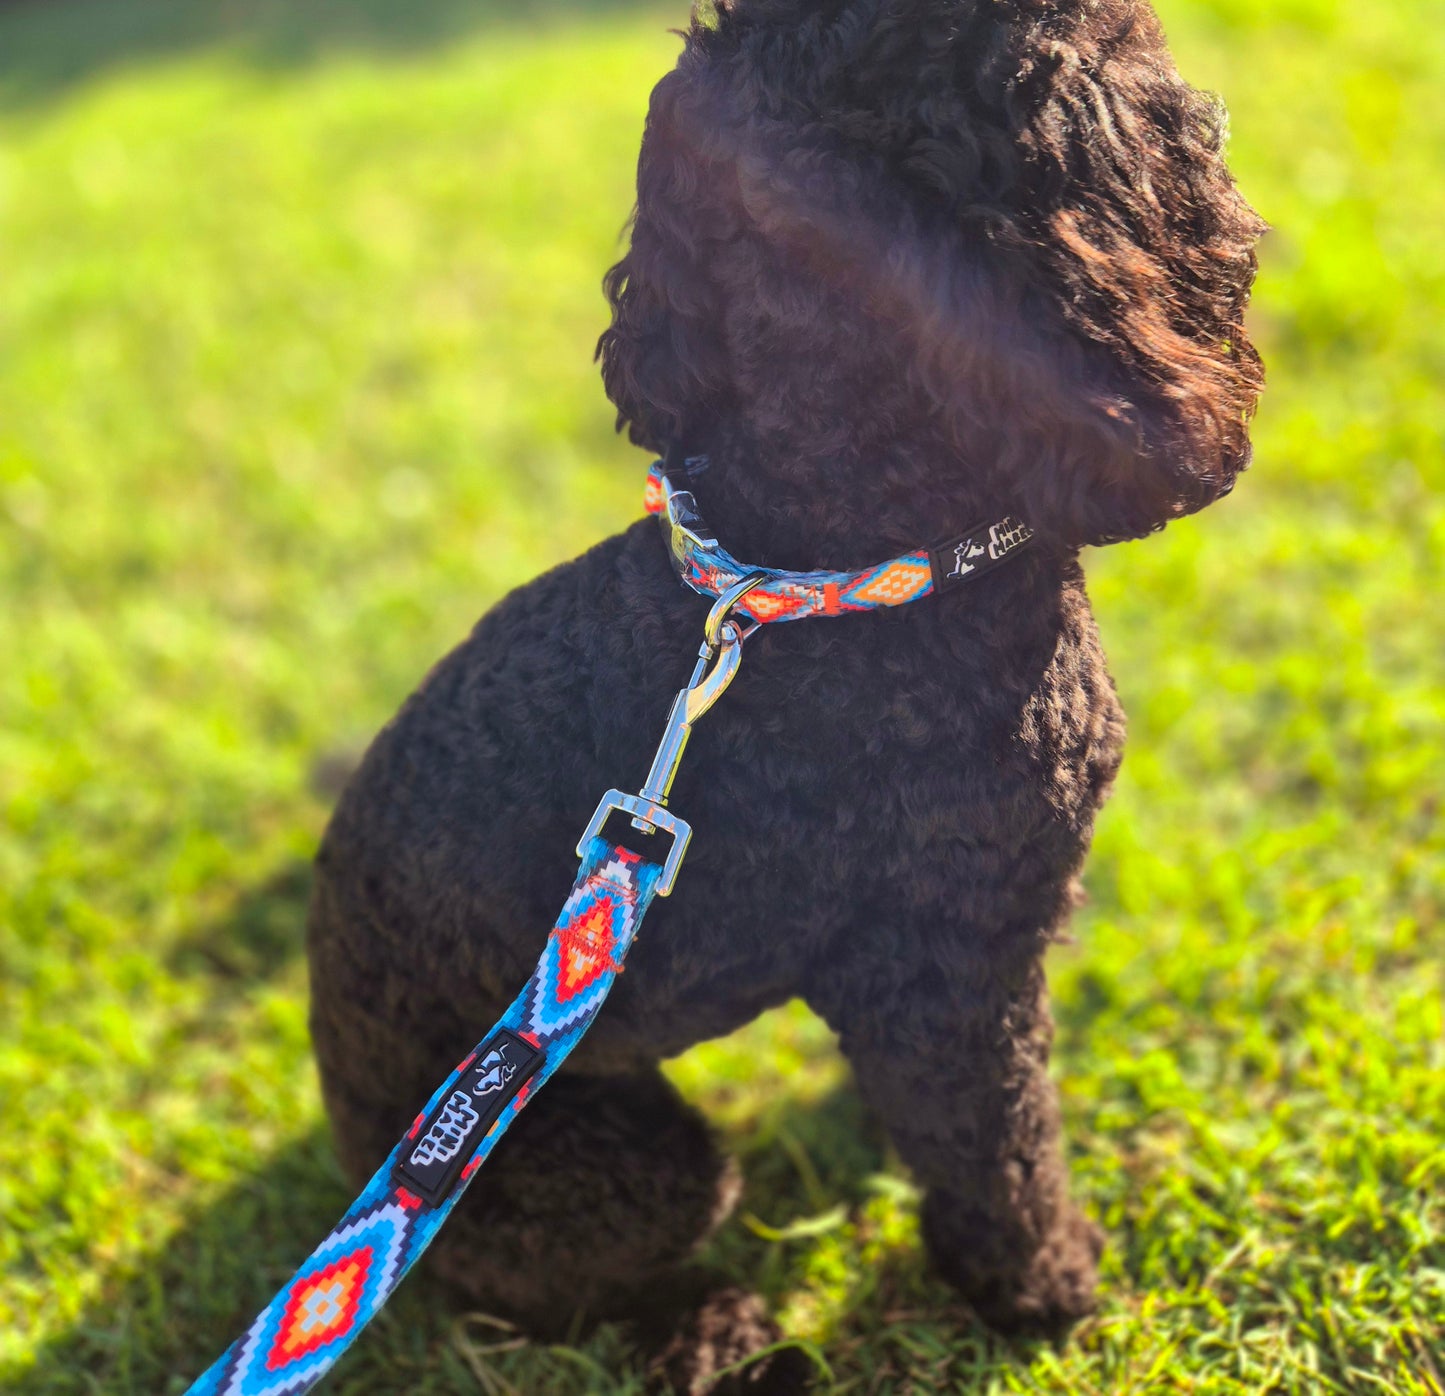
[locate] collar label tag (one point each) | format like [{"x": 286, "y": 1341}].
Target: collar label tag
[
  {"x": 979, "y": 550},
  {"x": 434, "y": 1155}
]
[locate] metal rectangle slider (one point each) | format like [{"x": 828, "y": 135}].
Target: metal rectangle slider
[{"x": 649, "y": 812}]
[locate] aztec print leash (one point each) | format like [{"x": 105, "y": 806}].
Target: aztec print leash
[
  {"x": 342, "y": 1285},
  {"x": 344, "y": 1282}
]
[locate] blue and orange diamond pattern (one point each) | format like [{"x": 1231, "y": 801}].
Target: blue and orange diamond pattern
[
  {"x": 339, "y": 1288},
  {"x": 317, "y": 1314},
  {"x": 578, "y": 965}
]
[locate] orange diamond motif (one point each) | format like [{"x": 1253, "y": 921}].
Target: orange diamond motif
[
  {"x": 767, "y": 605},
  {"x": 585, "y": 949},
  {"x": 321, "y": 1307},
  {"x": 898, "y": 582}
]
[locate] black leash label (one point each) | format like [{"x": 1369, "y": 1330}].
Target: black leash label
[
  {"x": 437, "y": 1149},
  {"x": 978, "y": 551}
]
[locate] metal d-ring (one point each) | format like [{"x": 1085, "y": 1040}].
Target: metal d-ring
[{"x": 712, "y": 627}]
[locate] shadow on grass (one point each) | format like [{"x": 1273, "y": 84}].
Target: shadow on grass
[
  {"x": 47, "y": 46},
  {"x": 254, "y": 939},
  {"x": 168, "y": 1317},
  {"x": 159, "y": 1322},
  {"x": 805, "y": 1161}
]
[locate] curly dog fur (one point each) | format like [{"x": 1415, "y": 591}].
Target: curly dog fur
[{"x": 896, "y": 265}]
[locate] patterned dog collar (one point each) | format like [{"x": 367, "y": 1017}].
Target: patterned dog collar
[{"x": 703, "y": 564}]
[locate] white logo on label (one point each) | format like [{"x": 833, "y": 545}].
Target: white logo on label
[
  {"x": 961, "y": 554},
  {"x": 496, "y": 1072},
  {"x": 1004, "y": 537},
  {"x": 442, "y": 1141}
]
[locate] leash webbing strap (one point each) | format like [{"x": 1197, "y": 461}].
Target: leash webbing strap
[{"x": 344, "y": 1282}]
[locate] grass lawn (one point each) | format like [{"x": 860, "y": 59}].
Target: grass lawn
[{"x": 296, "y": 312}]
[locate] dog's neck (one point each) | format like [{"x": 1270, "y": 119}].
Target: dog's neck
[{"x": 844, "y": 502}]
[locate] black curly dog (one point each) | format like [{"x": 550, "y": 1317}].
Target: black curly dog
[{"x": 897, "y": 266}]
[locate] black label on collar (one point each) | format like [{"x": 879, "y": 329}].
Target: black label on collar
[
  {"x": 436, "y": 1151},
  {"x": 978, "y": 551}
]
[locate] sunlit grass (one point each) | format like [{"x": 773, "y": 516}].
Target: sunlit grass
[{"x": 296, "y": 314}]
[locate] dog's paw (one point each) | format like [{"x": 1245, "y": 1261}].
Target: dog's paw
[
  {"x": 1054, "y": 1291},
  {"x": 1038, "y": 1295},
  {"x": 710, "y": 1351}
]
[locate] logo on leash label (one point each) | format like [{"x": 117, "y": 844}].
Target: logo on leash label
[
  {"x": 434, "y": 1155},
  {"x": 443, "y": 1141},
  {"x": 1005, "y": 536},
  {"x": 978, "y": 551}
]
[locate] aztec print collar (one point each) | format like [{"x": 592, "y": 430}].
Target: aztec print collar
[{"x": 709, "y": 569}]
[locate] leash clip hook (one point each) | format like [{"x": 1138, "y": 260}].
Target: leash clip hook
[{"x": 717, "y": 665}]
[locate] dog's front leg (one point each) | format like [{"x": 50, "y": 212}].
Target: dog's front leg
[{"x": 955, "y": 1060}]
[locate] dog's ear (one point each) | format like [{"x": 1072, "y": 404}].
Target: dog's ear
[
  {"x": 1085, "y": 438},
  {"x": 663, "y": 362},
  {"x": 1125, "y": 218}
]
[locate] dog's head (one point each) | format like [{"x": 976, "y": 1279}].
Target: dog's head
[{"x": 1007, "y": 223}]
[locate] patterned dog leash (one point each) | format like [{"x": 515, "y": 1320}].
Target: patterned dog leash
[{"x": 319, "y": 1312}]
